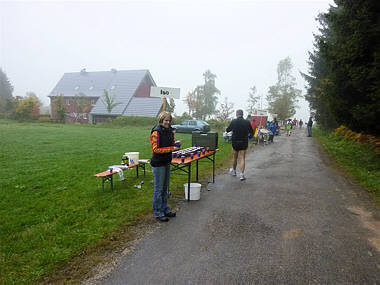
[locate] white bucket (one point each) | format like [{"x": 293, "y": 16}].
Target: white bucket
[
  {"x": 133, "y": 157},
  {"x": 195, "y": 191}
]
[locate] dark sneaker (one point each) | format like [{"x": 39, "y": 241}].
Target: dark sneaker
[
  {"x": 171, "y": 214},
  {"x": 162, "y": 219}
]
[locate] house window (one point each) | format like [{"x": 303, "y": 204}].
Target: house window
[
  {"x": 85, "y": 116},
  {"x": 93, "y": 101},
  {"x": 67, "y": 102}
]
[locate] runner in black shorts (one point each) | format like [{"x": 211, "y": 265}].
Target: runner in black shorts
[
  {"x": 240, "y": 144},
  {"x": 241, "y": 129}
]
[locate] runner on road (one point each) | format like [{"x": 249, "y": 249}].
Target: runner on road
[{"x": 241, "y": 129}]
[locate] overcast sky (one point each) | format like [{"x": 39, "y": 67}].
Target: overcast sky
[{"x": 240, "y": 42}]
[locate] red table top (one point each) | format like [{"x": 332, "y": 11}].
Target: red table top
[{"x": 188, "y": 159}]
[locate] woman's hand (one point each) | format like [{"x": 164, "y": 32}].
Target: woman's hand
[{"x": 178, "y": 144}]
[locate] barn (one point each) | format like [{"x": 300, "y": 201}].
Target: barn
[{"x": 84, "y": 101}]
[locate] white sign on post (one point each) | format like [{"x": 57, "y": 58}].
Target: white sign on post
[{"x": 164, "y": 92}]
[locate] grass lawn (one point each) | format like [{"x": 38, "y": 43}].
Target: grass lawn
[
  {"x": 361, "y": 162},
  {"x": 52, "y": 207}
]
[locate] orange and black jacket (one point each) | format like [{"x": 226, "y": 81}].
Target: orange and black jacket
[{"x": 162, "y": 141}]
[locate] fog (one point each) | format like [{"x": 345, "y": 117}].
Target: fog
[{"x": 240, "y": 42}]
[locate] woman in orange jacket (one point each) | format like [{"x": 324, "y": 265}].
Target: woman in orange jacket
[{"x": 163, "y": 144}]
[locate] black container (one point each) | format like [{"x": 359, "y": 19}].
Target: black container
[{"x": 209, "y": 139}]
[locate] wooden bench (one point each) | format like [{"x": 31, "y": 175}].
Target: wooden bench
[{"x": 107, "y": 175}]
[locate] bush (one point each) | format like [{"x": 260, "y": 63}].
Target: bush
[
  {"x": 4, "y": 116},
  {"x": 217, "y": 125},
  {"x": 28, "y": 108},
  {"x": 179, "y": 119},
  {"x": 371, "y": 141},
  {"x": 44, "y": 118},
  {"x": 123, "y": 121}
]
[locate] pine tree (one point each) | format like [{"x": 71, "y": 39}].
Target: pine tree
[
  {"x": 6, "y": 90},
  {"x": 344, "y": 68}
]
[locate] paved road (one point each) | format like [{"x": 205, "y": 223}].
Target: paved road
[{"x": 293, "y": 221}]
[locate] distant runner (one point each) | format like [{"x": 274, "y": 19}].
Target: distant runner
[
  {"x": 288, "y": 127},
  {"x": 309, "y": 127}
]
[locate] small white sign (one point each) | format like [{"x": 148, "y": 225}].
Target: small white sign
[{"x": 164, "y": 92}]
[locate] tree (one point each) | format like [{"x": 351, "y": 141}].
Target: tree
[
  {"x": 225, "y": 110},
  {"x": 186, "y": 116},
  {"x": 11, "y": 105},
  {"x": 344, "y": 68},
  {"x": 198, "y": 102},
  {"x": 252, "y": 100},
  {"x": 170, "y": 106},
  {"x": 179, "y": 119},
  {"x": 282, "y": 97},
  {"x": 189, "y": 101},
  {"x": 109, "y": 101},
  {"x": 81, "y": 106},
  {"x": 203, "y": 100},
  {"x": 316, "y": 94},
  {"x": 59, "y": 103},
  {"x": 194, "y": 101},
  {"x": 210, "y": 95},
  {"x": 6, "y": 90},
  {"x": 27, "y": 108}
]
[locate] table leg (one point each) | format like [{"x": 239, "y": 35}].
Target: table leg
[
  {"x": 213, "y": 168},
  {"x": 103, "y": 183},
  {"x": 197, "y": 170},
  {"x": 137, "y": 170},
  {"x": 111, "y": 183},
  {"x": 188, "y": 183}
]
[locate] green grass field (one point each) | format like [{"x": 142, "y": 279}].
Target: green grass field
[
  {"x": 52, "y": 207},
  {"x": 361, "y": 162}
]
